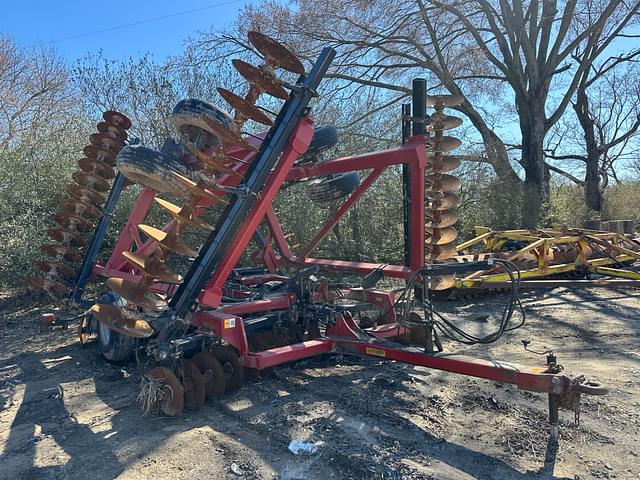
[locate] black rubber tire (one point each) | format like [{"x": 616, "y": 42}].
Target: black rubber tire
[
  {"x": 113, "y": 346},
  {"x": 324, "y": 137},
  {"x": 188, "y": 119},
  {"x": 333, "y": 187},
  {"x": 234, "y": 372},
  {"x": 151, "y": 169}
]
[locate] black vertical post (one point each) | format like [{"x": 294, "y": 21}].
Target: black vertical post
[
  {"x": 406, "y": 185},
  {"x": 419, "y": 105},
  {"x": 414, "y": 118}
]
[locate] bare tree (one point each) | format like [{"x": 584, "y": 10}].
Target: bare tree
[
  {"x": 479, "y": 49},
  {"x": 33, "y": 85},
  {"x": 602, "y": 135}
]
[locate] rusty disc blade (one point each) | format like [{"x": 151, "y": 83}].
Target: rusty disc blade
[
  {"x": 91, "y": 165},
  {"x": 194, "y": 386},
  {"x": 66, "y": 237},
  {"x": 441, "y": 182},
  {"x": 440, "y": 219},
  {"x": 113, "y": 131},
  {"x": 154, "y": 267},
  {"x": 100, "y": 154},
  {"x": 443, "y": 144},
  {"x": 227, "y": 137},
  {"x": 114, "y": 319},
  {"x": 438, "y": 253},
  {"x": 276, "y": 53},
  {"x": 215, "y": 161},
  {"x": 212, "y": 373},
  {"x": 53, "y": 288},
  {"x": 137, "y": 295},
  {"x": 194, "y": 188},
  {"x": 443, "y": 163},
  {"x": 171, "y": 402},
  {"x": 177, "y": 213},
  {"x": 248, "y": 110},
  {"x": 263, "y": 80},
  {"x": 80, "y": 209},
  {"x": 85, "y": 194},
  {"x": 167, "y": 242},
  {"x": 444, "y": 100},
  {"x": 106, "y": 142},
  {"x": 92, "y": 181},
  {"x": 117, "y": 118},
  {"x": 441, "y": 201},
  {"x": 440, "y": 236},
  {"x": 443, "y": 122},
  {"x": 72, "y": 222},
  {"x": 55, "y": 268},
  {"x": 61, "y": 252},
  {"x": 443, "y": 282}
]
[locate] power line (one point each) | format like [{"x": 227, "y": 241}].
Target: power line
[{"x": 141, "y": 22}]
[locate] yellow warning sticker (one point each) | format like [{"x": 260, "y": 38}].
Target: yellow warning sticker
[
  {"x": 229, "y": 323},
  {"x": 375, "y": 351}
]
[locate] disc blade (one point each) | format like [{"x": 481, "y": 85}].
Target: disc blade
[
  {"x": 114, "y": 319},
  {"x": 176, "y": 212},
  {"x": 440, "y": 236},
  {"x": 171, "y": 401},
  {"x": 263, "y": 80},
  {"x": 113, "y": 131},
  {"x": 443, "y": 122},
  {"x": 441, "y": 182},
  {"x": 72, "y": 222},
  {"x": 194, "y": 188},
  {"x": 66, "y": 237},
  {"x": 248, "y": 110},
  {"x": 85, "y": 194},
  {"x": 136, "y": 295},
  {"x": 53, "y": 288},
  {"x": 79, "y": 208},
  {"x": 117, "y": 118},
  {"x": 438, "y": 253},
  {"x": 154, "y": 267},
  {"x": 167, "y": 242},
  {"x": 55, "y": 268},
  {"x": 96, "y": 167},
  {"x": 212, "y": 372},
  {"x": 194, "y": 386},
  {"x": 444, "y": 100},
  {"x": 275, "y": 53},
  {"x": 106, "y": 142},
  {"x": 443, "y": 144},
  {"x": 440, "y": 219},
  {"x": 227, "y": 137},
  {"x": 91, "y": 180},
  {"x": 441, "y": 201},
  {"x": 100, "y": 154},
  {"x": 61, "y": 252},
  {"x": 443, "y": 163}
]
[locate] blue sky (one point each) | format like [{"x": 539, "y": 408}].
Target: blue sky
[{"x": 32, "y": 22}]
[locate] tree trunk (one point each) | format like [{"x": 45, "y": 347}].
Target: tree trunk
[
  {"x": 592, "y": 190},
  {"x": 536, "y": 181}
]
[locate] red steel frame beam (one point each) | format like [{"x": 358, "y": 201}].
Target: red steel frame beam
[
  {"x": 346, "y": 337},
  {"x": 414, "y": 154}
]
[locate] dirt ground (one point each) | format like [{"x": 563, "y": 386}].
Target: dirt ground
[{"x": 64, "y": 413}]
